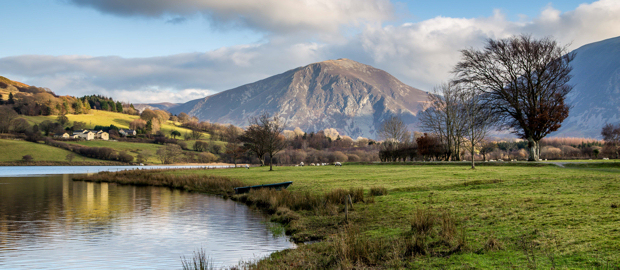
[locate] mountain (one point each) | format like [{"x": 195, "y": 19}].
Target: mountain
[
  {"x": 596, "y": 94},
  {"x": 166, "y": 106},
  {"x": 343, "y": 94}
]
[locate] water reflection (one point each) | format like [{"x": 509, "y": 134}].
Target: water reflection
[{"x": 55, "y": 223}]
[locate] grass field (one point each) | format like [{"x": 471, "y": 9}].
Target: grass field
[
  {"x": 39, "y": 151},
  {"x": 105, "y": 118},
  {"x": 564, "y": 218},
  {"x": 131, "y": 148}
]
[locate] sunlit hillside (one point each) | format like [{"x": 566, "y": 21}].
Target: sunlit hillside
[{"x": 106, "y": 118}]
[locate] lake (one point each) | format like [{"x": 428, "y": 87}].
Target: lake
[
  {"x": 50, "y": 170},
  {"x": 52, "y": 222}
]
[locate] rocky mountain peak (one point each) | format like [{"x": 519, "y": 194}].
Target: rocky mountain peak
[{"x": 349, "y": 96}]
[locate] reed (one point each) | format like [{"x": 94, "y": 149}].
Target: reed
[
  {"x": 219, "y": 185},
  {"x": 199, "y": 261}
]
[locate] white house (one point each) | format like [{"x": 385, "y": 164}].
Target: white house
[
  {"x": 64, "y": 135},
  {"x": 102, "y": 135},
  {"x": 127, "y": 132},
  {"x": 91, "y": 135},
  {"x": 84, "y": 134}
]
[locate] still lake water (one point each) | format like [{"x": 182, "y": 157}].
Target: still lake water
[
  {"x": 48, "y": 170},
  {"x": 52, "y": 222}
]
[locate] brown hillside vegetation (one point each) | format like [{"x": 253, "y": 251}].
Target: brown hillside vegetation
[{"x": 4, "y": 80}]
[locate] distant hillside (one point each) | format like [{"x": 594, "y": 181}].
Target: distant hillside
[
  {"x": 596, "y": 96},
  {"x": 4, "y": 83},
  {"x": 167, "y": 106},
  {"x": 343, "y": 94}
]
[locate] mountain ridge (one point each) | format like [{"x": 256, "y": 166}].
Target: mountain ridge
[
  {"x": 343, "y": 94},
  {"x": 595, "y": 98}
]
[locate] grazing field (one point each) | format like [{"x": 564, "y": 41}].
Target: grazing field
[
  {"x": 132, "y": 148},
  {"x": 14, "y": 150},
  {"x": 442, "y": 216},
  {"x": 105, "y": 118}
]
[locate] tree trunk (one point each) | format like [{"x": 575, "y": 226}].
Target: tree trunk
[
  {"x": 270, "y": 161},
  {"x": 473, "y": 165},
  {"x": 533, "y": 150}
]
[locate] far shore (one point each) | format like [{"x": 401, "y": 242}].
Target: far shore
[{"x": 109, "y": 163}]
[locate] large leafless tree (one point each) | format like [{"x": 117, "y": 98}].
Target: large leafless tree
[
  {"x": 264, "y": 136},
  {"x": 524, "y": 81}
]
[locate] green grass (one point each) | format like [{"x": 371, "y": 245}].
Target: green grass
[
  {"x": 584, "y": 161},
  {"x": 105, "y": 118},
  {"x": 131, "y": 148},
  {"x": 14, "y": 150},
  {"x": 566, "y": 213}
]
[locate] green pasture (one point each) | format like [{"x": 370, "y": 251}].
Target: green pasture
[
  {"x": 132, "y": 148},
  {"x": 14, "y": 150},
  {"x": 562, "y": 217}
]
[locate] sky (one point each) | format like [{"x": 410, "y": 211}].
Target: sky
[{"x": 150, "y": 51}]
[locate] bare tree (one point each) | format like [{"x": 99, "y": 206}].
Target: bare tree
[
  {"x": 394, "y": 130},
  {"x": 7, "y": 116},
  {"x": 264, "y": 136},
  {"x": 611, "y": 135},
  {"x": 478, "y": 121},
  {"x": 233, "y": 139},
  {"x": 524, "y": 82},
  {"x": 169, "y": 153},
  {"x": 445, "y": 117}
]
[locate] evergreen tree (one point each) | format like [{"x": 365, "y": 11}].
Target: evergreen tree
[
  {"x": 119, "y": 107},
  {"x": 77, "y": 106},
  {"x": 65, "y": 107},
  {"x": 149, "y": 126},
  {"x": 11, "y": 100},
  {"x": 86, "y": 107}
]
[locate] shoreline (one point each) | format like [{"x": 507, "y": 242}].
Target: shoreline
[
  {"x": 417, "y": 216},
  {"x": 107, "y": 163}
]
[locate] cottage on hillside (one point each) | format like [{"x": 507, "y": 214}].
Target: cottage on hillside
[
  {"x": 127, "y": 132},
  {"x": 84, "y": 134},
  {"x": 63, "y": 135},
  {"x": 91, "y": 135},
  {"x": 102, "y": 135}
]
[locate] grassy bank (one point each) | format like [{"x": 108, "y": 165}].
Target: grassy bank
[
  {"x": 130, "y": 147},
  {"x": 14, "y": 150},
  {"x": 448, "y": 216}
]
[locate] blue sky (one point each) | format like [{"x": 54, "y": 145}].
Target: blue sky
[{"x": 153, "y": 51}]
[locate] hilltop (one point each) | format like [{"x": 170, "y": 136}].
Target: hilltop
[{"x": 343, "y": 94}]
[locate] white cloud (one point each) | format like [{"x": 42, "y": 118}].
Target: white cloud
[
  {"x": 423, "y": 54},
  {"x": 158, "y": 95},
  {"x": 420, "y": 54},
  {"x": 263, "y": 15}
]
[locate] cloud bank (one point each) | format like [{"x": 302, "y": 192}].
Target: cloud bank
[
  {"x": 265, "y": 15},
  {"x": 420, "y": 54}
]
